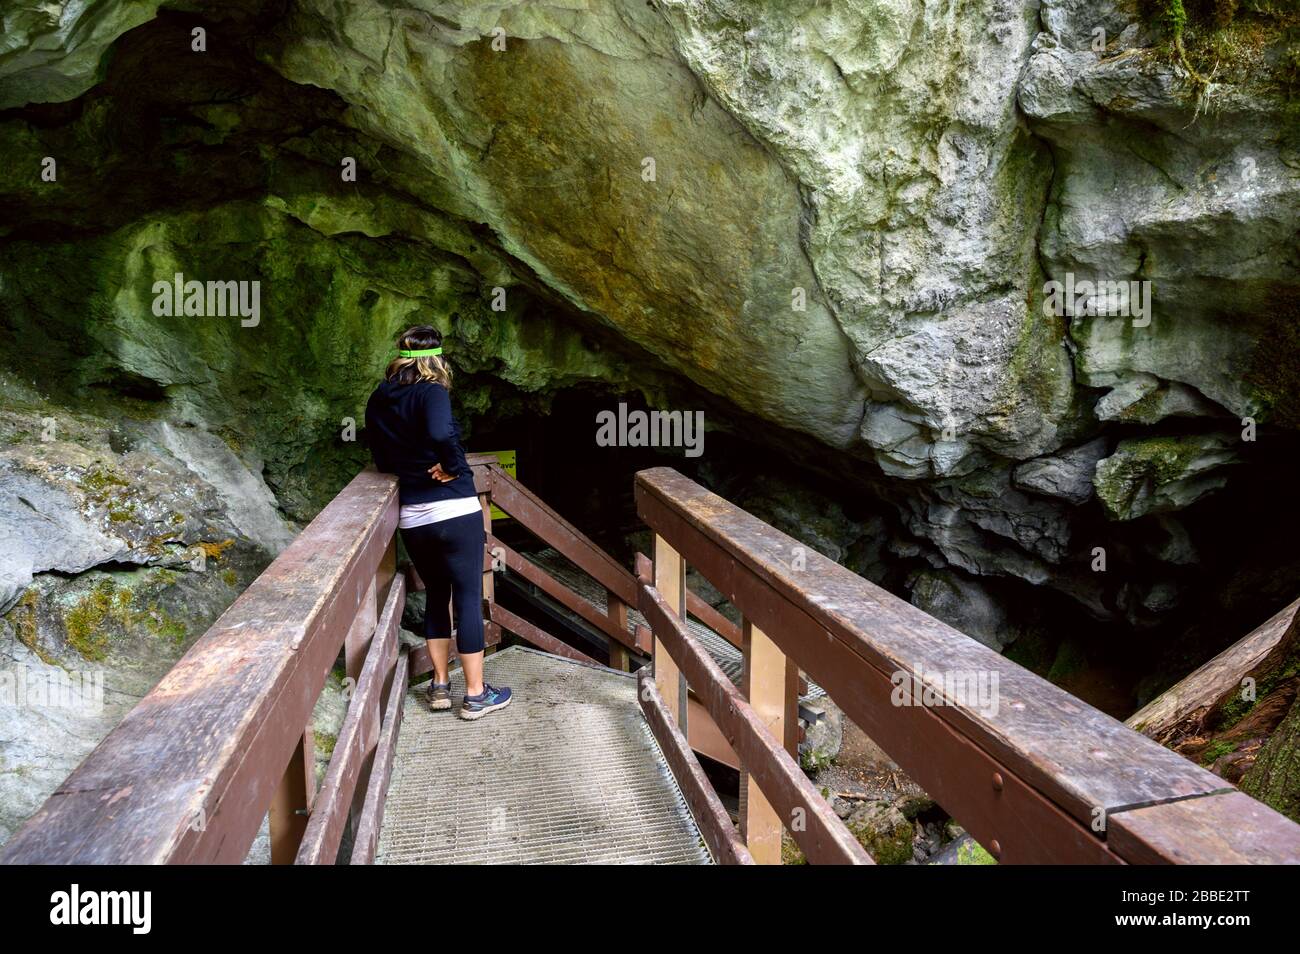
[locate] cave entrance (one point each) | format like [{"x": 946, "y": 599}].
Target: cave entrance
[
  {"x": 561, "y": 457},
  {"x": 558, "y": 458}
]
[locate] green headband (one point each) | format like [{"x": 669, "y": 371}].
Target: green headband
[{"x": 427, "y": 352}]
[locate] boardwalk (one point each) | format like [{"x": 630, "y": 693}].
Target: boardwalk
[{"x": 567, "y": 773}]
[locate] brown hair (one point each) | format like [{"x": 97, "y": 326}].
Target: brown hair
[{"x": 429, "y": 368}]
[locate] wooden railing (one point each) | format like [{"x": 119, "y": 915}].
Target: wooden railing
[
  {"x": 1034, "y": 774},
  {"x": 496, "y": 487},
  {"x": 625, "y": 648},
  {"x": 225, "y": 737}
]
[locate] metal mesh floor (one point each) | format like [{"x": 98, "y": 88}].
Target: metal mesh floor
[
  {"x": 568, "y": 773},
  {"x": 728, "y": 657}
]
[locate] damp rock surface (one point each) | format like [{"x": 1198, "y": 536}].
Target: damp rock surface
[{"x": 994, "y": 296}]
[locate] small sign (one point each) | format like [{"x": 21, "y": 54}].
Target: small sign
[{"x": 506, "y": 459}]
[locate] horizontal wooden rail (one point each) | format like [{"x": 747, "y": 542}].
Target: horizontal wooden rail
[
  {"x": 356, "y": 741},
  {"x": 365, "y": 841},
  {"x": 710, "y": 815},
  {"x": 698, "y": 607},
  {"x": 822, "y": 836},
  {"x": 534, "y": 514},
  {"x": 534, "y": 574},
  {"x": 189, "y": 773},
  {"x": 1036, "y": 775},
  {"x": 536, "y": 635}
]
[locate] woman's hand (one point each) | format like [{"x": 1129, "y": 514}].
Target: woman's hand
[{"x": 440, "y": 475}]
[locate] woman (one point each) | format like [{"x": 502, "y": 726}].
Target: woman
[{"x": 412, "y": 434}]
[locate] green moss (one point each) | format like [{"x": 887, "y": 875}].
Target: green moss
[
  {"x": 1239, "y": 706},
  {"x": 791, "y": 853},
  {"x": 98, "y": 481},
  {"x": 162, "y": 625},
  {"x": 972, "y": 853},
  {"x": 324, "y": 742},
  {"x": 103, "y": 485},
  {"x": 1228, "y": 41},
  {"x": 1215, "y": 750},
  {"x": 1147, "y": 464},
  {"x": 813, "y": 762},
  {"x": 87, "y": 623},
  {"x": 1069, "y": 660},
  {"x": 230, "y": 577},
  {"x": 888, "y": 844},
  {"x": 84, "y": 623},
  {"x": 23, "y": 619},
  {"x": 122, "y": 513},
  {"x": 1274, "y": 779},
  {"x": 1170, "y": 15}
]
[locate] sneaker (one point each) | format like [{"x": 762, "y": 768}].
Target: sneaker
[
  {"x": 439, "y": 696},
  {"x": 491, "y": 699}
]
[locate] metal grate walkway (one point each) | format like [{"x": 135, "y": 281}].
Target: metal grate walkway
[{"x": 569, "y": 773}]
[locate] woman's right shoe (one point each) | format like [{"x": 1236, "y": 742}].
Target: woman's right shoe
[
  {"x": 439, "y": 696},
  {"x": 489, "y": 700}
]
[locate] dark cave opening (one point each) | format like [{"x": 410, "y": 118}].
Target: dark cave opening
[{"x": 1114, "y": 663}]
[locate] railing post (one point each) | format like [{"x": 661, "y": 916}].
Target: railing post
[
  {"x": 670, "y": 581},
  {"x": 616, "y": 609},
  {"x": 361, "y": 631},
  {"x": 292, "y": 801},
  {"x": 770, "y": 679}
]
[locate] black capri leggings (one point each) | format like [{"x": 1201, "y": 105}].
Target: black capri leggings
[{"x": 448, "y": 555}]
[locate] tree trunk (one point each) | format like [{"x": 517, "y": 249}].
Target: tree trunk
[{"x": 1274, "y": 779}]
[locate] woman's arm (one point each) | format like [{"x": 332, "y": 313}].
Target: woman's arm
[{"x": 442, "y": 431}]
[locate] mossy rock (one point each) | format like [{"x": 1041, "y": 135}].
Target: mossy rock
[
  {"x": 972, "y": 853},
  {"x": 1158, "y": 474},
  {"x": 883, "y": 831}
]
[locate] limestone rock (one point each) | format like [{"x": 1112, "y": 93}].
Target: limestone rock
[
  {"x": 1198, "y": 199},
  {"x": 822, "y": 737},
  {"x": 1142, "y": 399},
  {"x": 883, "y": 830},
  {"x": 963, "y": 604},
  {"x": 1067, "y": 474},
  {"x": 51, "y": 52},
  {"x": 1159, "y": 474},
  {"x": 116, "y": 557}
]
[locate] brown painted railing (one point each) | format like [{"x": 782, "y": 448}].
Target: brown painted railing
[
  {"x": 225, "y": 737},
  {"x": 1036, "y": 775},
  {"x": 626, "y": 649},
  {"x": 496, "y": 487}
]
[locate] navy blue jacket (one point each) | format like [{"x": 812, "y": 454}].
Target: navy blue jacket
[{"x": 409, "y": 428}]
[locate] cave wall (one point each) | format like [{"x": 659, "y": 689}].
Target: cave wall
[{"x": 843, "y": 253}]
